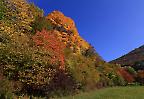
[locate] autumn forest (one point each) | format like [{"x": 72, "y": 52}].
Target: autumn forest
[{"x": 44, "y": 56}]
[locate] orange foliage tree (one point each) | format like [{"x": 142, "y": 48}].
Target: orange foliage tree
[{"x": 49, "y": 41}]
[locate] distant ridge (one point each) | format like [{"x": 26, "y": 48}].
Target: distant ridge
[{"x": 135, "y": 55}]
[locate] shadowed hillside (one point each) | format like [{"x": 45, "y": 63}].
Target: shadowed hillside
[{"x": 131, "y": 58}]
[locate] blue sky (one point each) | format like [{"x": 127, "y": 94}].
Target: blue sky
[{"x": 113, "y": 27}]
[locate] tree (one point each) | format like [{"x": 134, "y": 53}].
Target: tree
[{"x": 49, "y": 41}]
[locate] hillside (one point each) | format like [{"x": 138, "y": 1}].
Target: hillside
[
  {"x": 131, "y": 58},
  {"x": 134, "y": 62}
]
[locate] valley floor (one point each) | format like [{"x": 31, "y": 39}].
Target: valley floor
[{"x": 129, "y": 92}]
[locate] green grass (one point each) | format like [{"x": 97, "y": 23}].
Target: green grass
[{"x": 135, "y": 92}]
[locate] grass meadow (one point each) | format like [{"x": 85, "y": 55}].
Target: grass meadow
[{"x": 129, "y": 92}]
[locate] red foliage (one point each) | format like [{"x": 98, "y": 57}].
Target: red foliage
[
  {"x": 48, "y": 40},
  {"x": 127, "y": 76}
]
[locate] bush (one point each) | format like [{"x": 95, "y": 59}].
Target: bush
[{"x": 119, "y": 81}]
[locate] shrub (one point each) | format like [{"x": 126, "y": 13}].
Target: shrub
[{"x": 119, "y": 80}]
